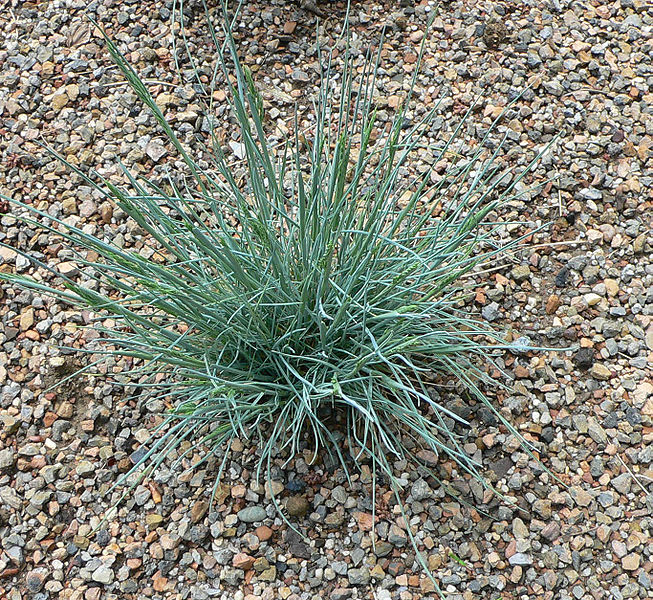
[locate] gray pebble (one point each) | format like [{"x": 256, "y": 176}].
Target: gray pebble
[
  {"x": 420, "y": 490},
  {"x": 7, "y": 459},
  {"x": 252, "y": 514},
  {"x": 103, "y": 574},
  {"x": 520, "y": 559},
  {"x": 621, "y": 483},
  {"x": 359, "y": 576},
  {"x": 491, "y": 311}
]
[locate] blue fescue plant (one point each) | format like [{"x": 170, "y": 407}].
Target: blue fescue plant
[{"x": 318, "y": 278}]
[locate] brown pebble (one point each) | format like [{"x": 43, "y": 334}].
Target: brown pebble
[
  {"x": 495, "y": 33},
  {"x": 428, "y": 457},
  {"x": 124, "y": 464},
  {"x": 26, "y": 319},
  {"x": 552, "y": 304},
  {"x": 263, "y": 533},
  {"x": 159, "y": 582},
  {"x": 49, "y": 418},
  {"x": 198, "y": 511},
  {"x": 243, "y": 561},
  {"x": 297, "y": 506},
  {"x": 93, "y": 593},
  {"x": 630, "y": 562},
  {"x": 106, "y": 212},
  {"x": 88, "y": 425},
  {"x": 66, "y": 410}
]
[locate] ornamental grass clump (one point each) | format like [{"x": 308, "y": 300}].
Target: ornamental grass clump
[{"x": 310, "y": 292}]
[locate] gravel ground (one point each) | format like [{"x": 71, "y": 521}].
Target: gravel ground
[{"x": 586, "y": 282}]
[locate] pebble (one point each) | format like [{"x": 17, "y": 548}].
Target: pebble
[
  {"x": 243, "y": 561},
  {"x": 621, "y": 483},
  {"x": 596, "y": 432},
  {"x": 155, "y": 150},
  {"x": 7, "y": 459},
  {"x": 397, "y": 536},
  {"x": 605, "y": 499},
  {"x": 103, "y": 574},
  {"x": 491, "y": 312},
  {"x": 584, "y": 358},
  {"x": 199, "y": 510},
  {"x": 420, "y": 490},
  {"x": 383, "y": 549},
  {"x": 630, "y": 562},
  {"x": 551, "y": 531},
  {"x": 85, "y": 468},
  {"x": 269, "y": 574},
  {"x": 520, "y": 273},
  {"x": 264, "y": 533},
  {"x": 601, "y": 372},
  {"x": 580, "y": 496},
  {"x": 520, "y": 558},
  {"x": 154, "y": 520},
  {"x": 252, "y": 514},
  {"x": 552, "y": 304},
  {"x": 339, "y": 494},
  {"x": 297, "y": 506},
  {"x": 519, "y": 529},
  {"x": 35, "y": 580},
  {"x": 359, "y": 576},
  {"x": 40, "y": 498}
]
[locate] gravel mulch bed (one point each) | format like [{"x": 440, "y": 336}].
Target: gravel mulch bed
[{"x": 586, "y": 282}]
